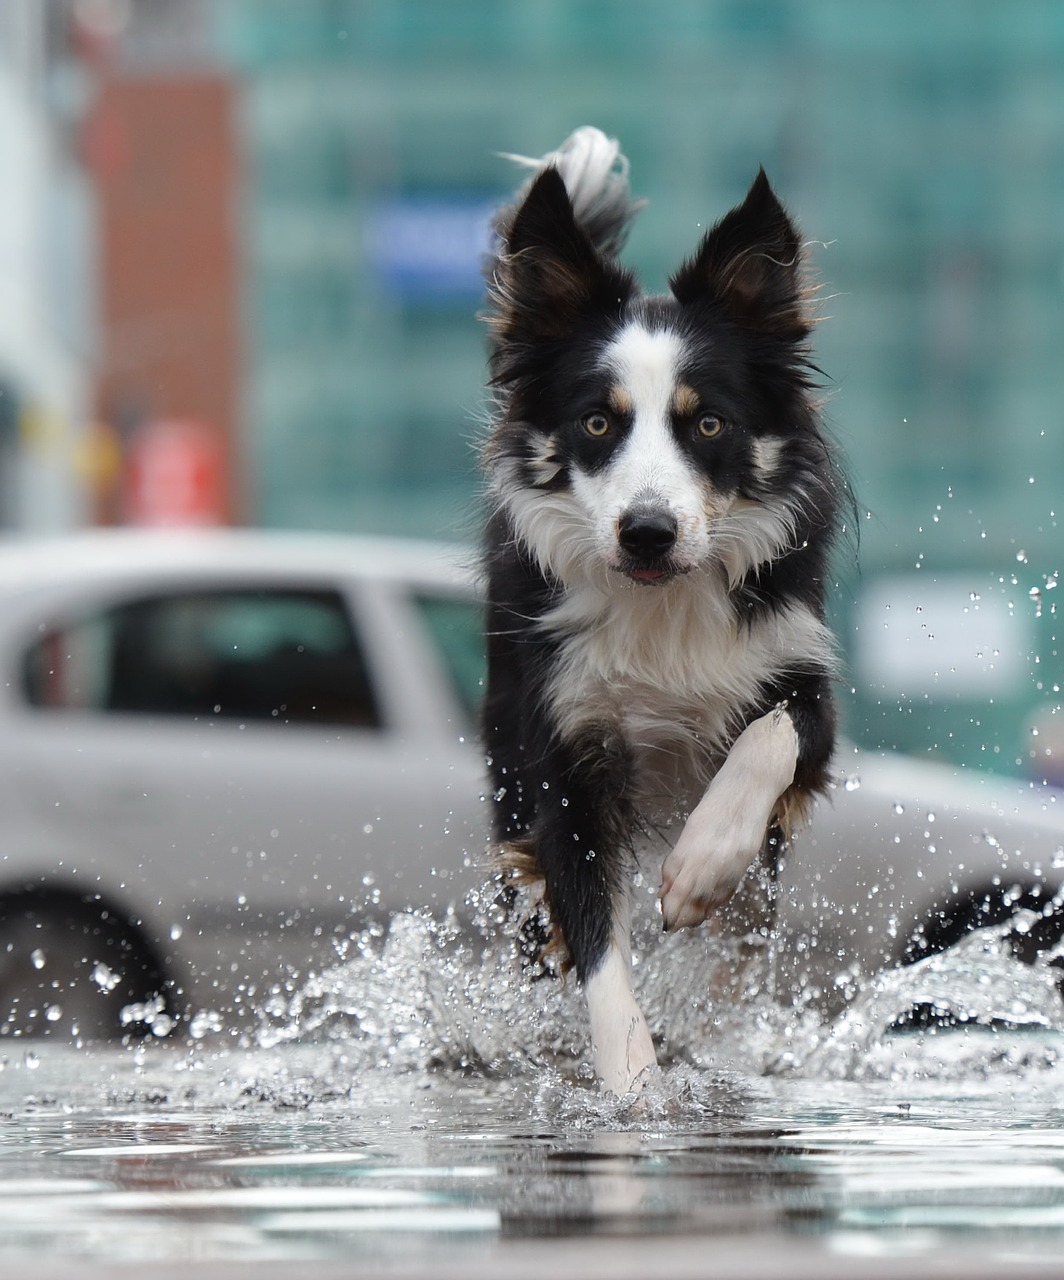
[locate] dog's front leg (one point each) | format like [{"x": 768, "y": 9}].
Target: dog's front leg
[
  {"x": 581, "y": 844},
  {"x": 621, "y": 1046},
  {"x": 725, "y": 832}
]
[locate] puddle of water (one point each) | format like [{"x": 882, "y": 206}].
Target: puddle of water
[{"x": 423, "y": 1106}]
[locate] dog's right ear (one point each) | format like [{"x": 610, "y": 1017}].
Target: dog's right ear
[{"x": 548, "y": 273}]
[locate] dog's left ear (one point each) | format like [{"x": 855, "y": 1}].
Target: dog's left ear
[{"x": 751, "y": 263}]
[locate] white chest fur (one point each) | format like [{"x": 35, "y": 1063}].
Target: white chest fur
[{"x": 673, "y": 671}]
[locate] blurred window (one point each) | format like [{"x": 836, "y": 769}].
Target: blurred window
[
  {"x": 289, "y": 656},
  {"x": 457, "y": 627}
]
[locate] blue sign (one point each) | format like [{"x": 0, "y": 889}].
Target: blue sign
[{"x": 430, "y": 247}]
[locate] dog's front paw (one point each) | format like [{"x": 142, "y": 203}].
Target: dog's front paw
[
  {"x": 620, "y": 1038},
  {"x": 722, "y": 838},
  {"x": 624, "y": 1052},
  {"x": 704, "y": 870},
  {"x": 691, "y": 893}
]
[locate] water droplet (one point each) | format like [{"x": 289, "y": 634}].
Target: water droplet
[
  {"x": 853, "y": 783},
  {"x": 175, "y": 932},
  {"x": 37, "y": 958},
  {"x": 104, "y": 977},
  {"x": 899, "y": 809},
  {"x": 53, "y": 1012}
]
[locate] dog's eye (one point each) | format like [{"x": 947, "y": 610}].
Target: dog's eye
[
  {"x": 595, "y": 424},
  {"x": 709, "y": 425}
]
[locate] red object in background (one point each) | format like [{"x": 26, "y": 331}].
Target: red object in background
[
  {"x": 163, "y": 153},
  {"x": 105, "y": 144},
  {"x": 175, "y": 475}
]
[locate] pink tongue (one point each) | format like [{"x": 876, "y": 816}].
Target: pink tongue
[{"x": 648, "y": 575}]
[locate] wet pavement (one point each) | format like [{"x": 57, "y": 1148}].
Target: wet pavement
[
  {"x": 423, "y": 1109},
  {"x": 171, "y": 1159}
]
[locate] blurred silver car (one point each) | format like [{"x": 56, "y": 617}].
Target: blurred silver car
[
  {"x": 218, "y": 749},
  {"x": 219, "y": 752}
]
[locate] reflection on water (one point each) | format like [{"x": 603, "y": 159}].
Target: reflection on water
[{"x": 421, "y": 1107}]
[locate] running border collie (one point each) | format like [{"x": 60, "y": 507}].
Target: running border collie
[{"x": 663, "y": 503}]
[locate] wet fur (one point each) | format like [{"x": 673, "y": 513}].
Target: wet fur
[{"x": 657, "y": 648}]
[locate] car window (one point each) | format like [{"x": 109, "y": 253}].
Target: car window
[
  {"x": 457, "y": 628},
  {"x": 285, "y": 656}
]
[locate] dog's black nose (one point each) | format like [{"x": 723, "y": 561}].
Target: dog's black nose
[{"x": 647, "y": 533}]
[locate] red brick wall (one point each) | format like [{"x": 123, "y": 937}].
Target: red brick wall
[{"x": 163, "y": 151}]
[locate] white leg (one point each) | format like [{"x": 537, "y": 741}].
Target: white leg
[
  {"x": 724, "y": 834},
  {"x": 620, "y": 1039}
]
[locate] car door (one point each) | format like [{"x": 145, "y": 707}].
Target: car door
[{"x": 242, "y": 747}]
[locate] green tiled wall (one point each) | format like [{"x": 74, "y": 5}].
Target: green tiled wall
[{"x": 919, "y": 142}]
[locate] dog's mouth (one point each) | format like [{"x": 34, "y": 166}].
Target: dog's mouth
[
  {"x": 651, "y": 576},
  {"x": 655, "y": 574}
]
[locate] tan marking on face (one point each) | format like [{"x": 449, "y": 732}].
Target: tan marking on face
[
  {"x": 717, "y": 504},
  {"x": 685, "y": 401},
  {"x": 619, "y": 401}
]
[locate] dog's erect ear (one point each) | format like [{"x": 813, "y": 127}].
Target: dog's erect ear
[
  {"x": 549, "y": 273},
  {"x": 751, "y": 263}
]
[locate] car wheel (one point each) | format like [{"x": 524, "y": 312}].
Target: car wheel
[
  {"x": 70, "y": 967},
  {"x": 977, "y": 909},
  {"x": 993, "y": 904}
]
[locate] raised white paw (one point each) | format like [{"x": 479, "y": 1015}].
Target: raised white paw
[
  {"x": 705, "y": 868},
  {"x": 722, "y": 838}
]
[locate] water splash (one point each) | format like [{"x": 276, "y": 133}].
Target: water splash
[
  {"x": 895, "y": 1027},
  {"x": 428, "y": 993}
]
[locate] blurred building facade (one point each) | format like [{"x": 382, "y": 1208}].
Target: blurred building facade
[
  {"x": 919, "y": 142},
  {"x": 47, "y": 285}
]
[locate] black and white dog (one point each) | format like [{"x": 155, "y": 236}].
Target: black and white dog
[{"x": 663, "y": 505}]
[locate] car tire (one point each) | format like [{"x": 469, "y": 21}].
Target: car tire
[
  {"x": 991, "y": 905},
  {"x": 70, "y": 967}
]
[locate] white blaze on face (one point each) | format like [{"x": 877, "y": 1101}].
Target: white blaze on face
[{"x": 648, "y": 469}]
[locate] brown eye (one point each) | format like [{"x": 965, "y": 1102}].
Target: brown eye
[
  {"x": 596, "y": 424},
  {"x": 709, "y": 425}
]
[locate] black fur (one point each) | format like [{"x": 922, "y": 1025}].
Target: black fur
[{"x": 570, "y": 805}]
